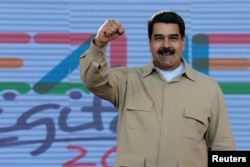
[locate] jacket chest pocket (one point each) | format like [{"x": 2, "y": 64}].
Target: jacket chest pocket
[
  {"x": 139, "y": 114},
  {"x": 194, "y": 124}
]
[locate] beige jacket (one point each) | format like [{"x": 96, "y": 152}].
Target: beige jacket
[{"x": 160, "y": 124}]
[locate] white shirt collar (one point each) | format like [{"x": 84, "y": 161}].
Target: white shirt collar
[{"x": 169, "y": 75}]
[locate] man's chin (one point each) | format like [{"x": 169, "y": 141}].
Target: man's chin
[
  {"x": 166, "y": 59},
  {"x": 166, "y": 66}
]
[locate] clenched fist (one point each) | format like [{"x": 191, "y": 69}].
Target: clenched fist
[{"x": 111, "y": 29}]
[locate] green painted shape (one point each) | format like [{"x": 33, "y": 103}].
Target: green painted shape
[
  {"x": 201, "y": 64},
  {"x": 62, "y": 88},
  {"x": 235, "y": 88},
  {"x": 20, "y": 87}
]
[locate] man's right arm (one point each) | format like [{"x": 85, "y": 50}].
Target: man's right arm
[
  {"x": 94, "y": 70},
  {"x": 103, "y": 81}
]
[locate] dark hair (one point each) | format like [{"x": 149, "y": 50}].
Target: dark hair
[{"x": 166, "y": 17}]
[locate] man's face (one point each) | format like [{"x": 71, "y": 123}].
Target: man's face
[{"x": 166, "y": 45}]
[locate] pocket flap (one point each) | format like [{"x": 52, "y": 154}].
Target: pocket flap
[
  {"x": 131, "y": 160},
  {"x": 194, "y": 114},
  {"x": 143, "y": 105}
]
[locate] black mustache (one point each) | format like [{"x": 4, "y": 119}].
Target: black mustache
[{"x": 166, "y": 51}]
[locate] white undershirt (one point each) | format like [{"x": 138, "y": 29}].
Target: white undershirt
[{"x": 169, "y": 75}]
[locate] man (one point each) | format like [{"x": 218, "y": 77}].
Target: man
[{"x": 168, "y": 114}]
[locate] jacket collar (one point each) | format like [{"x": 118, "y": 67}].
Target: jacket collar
[{"x": 150, "y": 68}]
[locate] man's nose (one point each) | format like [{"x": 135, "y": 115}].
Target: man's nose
[{"x": 166, "y": 43}]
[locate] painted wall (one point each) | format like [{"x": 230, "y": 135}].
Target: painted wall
[{"x": 48, "y": 117}]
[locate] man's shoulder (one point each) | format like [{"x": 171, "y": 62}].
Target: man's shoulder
[
  {"x": 135, "y": 69},
  {"x": 125, "y": 70},
  {"x": 204, "y": 78}
]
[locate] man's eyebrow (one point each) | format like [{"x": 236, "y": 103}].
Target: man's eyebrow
[
  {"x": 170, "y": 35},
  {"x": 174, "y": 35},
  {"x": 158, "y": 35}
]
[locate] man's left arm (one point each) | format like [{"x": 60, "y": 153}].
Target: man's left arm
[{"x": 219, "y": 135}]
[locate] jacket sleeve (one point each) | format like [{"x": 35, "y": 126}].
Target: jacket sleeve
[
  {"x": 95, "y": 74},
  {"x": 219, "y": 136}
]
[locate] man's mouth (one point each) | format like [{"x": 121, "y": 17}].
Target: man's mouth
[{"x": 166, "y": 51}]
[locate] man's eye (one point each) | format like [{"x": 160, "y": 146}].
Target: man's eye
[
  {"x": 158, "y": 38},
  {"x": 173, "y": 38}
]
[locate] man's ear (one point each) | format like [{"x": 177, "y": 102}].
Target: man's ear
[
  {"x": 183, "y": 43},
  {"x": 149, "y": 44}
]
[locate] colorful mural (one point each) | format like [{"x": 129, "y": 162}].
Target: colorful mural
[{"x": 49, "y": 118}]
